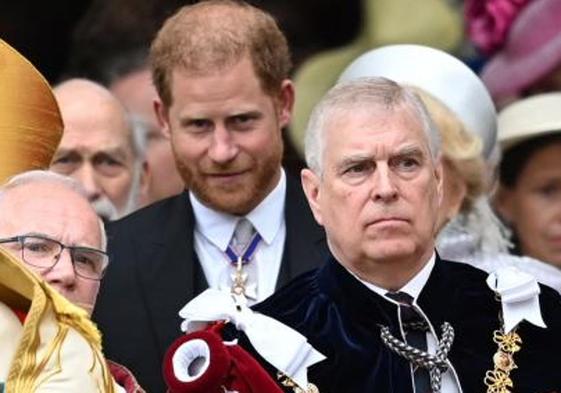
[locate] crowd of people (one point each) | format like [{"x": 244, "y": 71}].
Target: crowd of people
[{"x": 154, "y": 239}]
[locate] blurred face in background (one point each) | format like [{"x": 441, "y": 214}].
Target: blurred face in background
[
  {"x": 533, "y": 205},
  {"x": 96, "y": 148},
  {"x": 137, "y": 93}
]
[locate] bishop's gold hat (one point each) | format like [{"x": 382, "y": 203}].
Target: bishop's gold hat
[
  {"x": 56, "y": 349},
  {"x": 30, "y": 122}
]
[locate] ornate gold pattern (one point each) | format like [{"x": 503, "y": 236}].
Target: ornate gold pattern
[
  {"x": 239, "y": 279},
  {"x": 288, "y": 382},
  {"x": 498, "y": 380}
]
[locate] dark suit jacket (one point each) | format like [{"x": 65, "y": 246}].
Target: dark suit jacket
[{"x": 154, "y": 271}]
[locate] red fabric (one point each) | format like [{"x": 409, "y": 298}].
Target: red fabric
[
  {"x": 124, "y": 377},
  {"x": 231, "y": 367},
  {"x": 20, "y": 314}
]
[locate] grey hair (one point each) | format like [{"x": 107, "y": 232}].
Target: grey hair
[
  {"x": 139, "y": 131},
  {"x": 363, "y": 93},
  {"x": 41, "y": 176},
  {"x": 139, "y": 136}
]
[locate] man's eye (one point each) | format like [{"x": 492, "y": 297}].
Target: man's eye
[
  {"x": 65, "y": 164},
  {"x": 407, "y": 164},
  {"x": 242, "y": 122},
  {"x": 84, "y": 259},
  {"x": 107, "y": 165},
  {"x": 198, "y": 125},
  {"x": 358, "y": 168},
  {"x": 106, "y": 160},
  {"x": 38, "y": 247},
  {"x": 64, "y": 160}
]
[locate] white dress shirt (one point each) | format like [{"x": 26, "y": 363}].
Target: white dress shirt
[
  {"x": 214, "y": 230},
  {"x": 413, "y": 288}
]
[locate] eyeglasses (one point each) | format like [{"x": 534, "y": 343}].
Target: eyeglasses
[{"x": 44, "y": 253}]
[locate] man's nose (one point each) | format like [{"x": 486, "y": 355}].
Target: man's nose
[
  {"x": 223, "y": 147},
  {"x": 384, "y": 188},
  {"x": 88, "y": 177},
  {"x": 62, "y": 274}
]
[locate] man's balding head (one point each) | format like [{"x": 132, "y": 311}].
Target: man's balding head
[
  {"x": 98, "y": 147},
  {"x": 40, "y": 209}
]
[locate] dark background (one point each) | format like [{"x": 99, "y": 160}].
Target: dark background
[{"x": 74, "y": 36}]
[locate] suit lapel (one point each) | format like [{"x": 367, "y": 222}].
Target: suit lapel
[
  {"x": 305, "y": 246},
  {"x": 167, "y": 277}
]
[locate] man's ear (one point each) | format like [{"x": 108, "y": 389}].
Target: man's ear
[
  {"x": 311, "y": 186},
  {"x": 286, "y": 102},
  {"x": 503, "y": 203},
  {"x": 162, "y": 114}
]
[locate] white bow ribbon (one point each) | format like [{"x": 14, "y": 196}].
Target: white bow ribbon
[
  {"x": 519, "y": 293},
  {"x": 281, "y": 346}
]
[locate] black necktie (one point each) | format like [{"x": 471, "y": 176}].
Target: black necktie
[{"x": 415, "y": 328}]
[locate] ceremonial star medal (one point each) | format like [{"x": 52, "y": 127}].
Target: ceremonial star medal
[{"x": 239, "y": 277}]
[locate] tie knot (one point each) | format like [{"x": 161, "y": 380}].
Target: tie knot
[
  {"x": 242, "y": 235},
  {"x": 401, "y": 297},
  {"x": 411, "y": 318}
]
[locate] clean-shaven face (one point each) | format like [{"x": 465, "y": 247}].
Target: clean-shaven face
[
  {"x": 380, "y": 189},
  {"x": 55, "y": 212}
]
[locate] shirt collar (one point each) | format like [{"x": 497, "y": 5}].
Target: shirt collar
[
  {"x": 413, "y": 288},
  {"x": 267, "y": 217}
]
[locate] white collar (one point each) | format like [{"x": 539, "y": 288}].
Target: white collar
[
  {"x": 413, "y": 288},
  {"x": 267, "y": 217}
]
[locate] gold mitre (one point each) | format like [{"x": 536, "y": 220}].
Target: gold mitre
[
  {"x": 30, "y": 122},
  {"x": 57, "y": 349}
]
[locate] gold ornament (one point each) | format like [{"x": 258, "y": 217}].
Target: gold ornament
[
  {"x": 498, "y": 380},
  {"x": 504, "y": 361},
  {"x": 288, "y": 382},
  {"x": 239, "y": 279},
  {"x": 507, "y": 342}
]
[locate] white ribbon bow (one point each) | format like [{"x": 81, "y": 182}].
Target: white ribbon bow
[
  {"x": 281, "y": 346},
  {"x": 519, "y": 293}
]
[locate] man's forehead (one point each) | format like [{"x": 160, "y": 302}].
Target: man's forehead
[
  {"x": 371, "y": 125},
  {"x": 96, "y": 140},
  {"x": 49, "y": 209}
]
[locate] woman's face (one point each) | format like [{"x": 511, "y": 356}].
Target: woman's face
[{"x": 533, "y": 205}]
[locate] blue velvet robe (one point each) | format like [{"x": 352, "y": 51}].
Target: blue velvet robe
[{"x": 341, "y": 318}]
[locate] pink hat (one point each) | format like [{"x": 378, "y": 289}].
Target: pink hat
[{"x": 532, "y": 50}]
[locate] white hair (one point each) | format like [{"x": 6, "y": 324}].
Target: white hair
[
  {"x": 139, "y": 136},
  {"x": 363, "y": 93},
  {"x": 41, "y": 176},
  {"x": 139, "y": 145}
]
